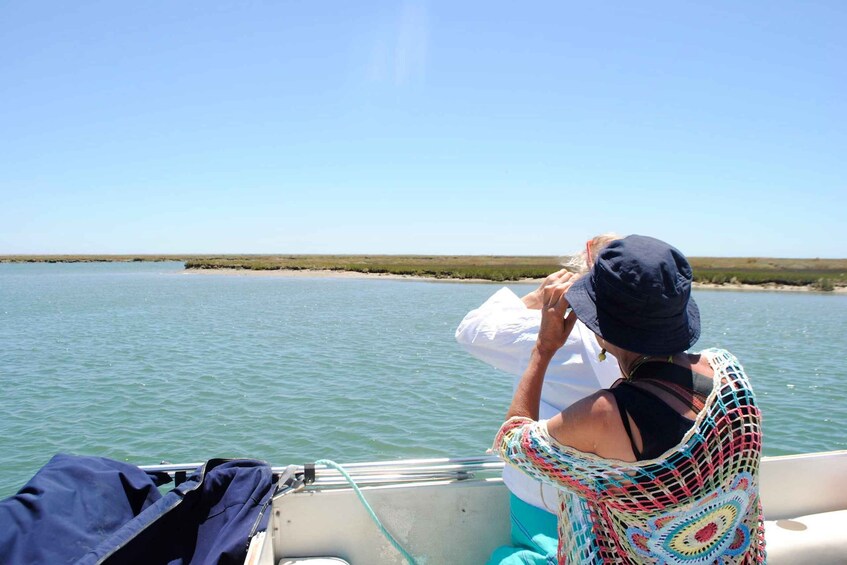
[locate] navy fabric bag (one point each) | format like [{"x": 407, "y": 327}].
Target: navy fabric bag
[
  {"x": 68, "y": 508},
  {"x": 207, "y": 519}
]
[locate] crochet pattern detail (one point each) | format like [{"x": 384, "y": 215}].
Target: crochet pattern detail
[{"x": 697, "y": 503}]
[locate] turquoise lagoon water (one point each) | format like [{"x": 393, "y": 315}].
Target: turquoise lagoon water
[{"x": 142, "y": 362}]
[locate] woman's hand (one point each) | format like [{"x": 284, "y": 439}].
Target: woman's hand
[
  {"x": 554, "y": 331},
  {"x": 533, "y": 300},
  {"x": 555, "y": 328}
]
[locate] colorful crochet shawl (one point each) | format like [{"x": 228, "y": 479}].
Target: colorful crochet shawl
[{"x": 696, "y": 504}]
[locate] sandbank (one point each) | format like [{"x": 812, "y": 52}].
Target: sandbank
[
  {"x": 767, "y": 287},
  {"x": 333, "y": 274},
  {"x": 337, "y": 274}
]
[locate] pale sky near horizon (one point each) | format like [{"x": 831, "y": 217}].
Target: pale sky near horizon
[{"x": 422, "y": 127}]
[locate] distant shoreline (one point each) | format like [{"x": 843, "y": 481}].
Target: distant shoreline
[
  {"x": 718, "y": 273},
  {"x": 768, "y": 287},
  {"x": 336, "y": 274}
]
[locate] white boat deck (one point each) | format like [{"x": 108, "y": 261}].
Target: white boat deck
[{"x": 443, "y": 520}]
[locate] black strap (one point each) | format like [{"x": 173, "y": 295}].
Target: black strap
[
  {"x": 660, "y": 425},
  {"x": 664, "y": 375},
  {"x": 646, "y": 383},
  {"x": 625, "y": 420},
  {"x": 309, "y": 473},
  {"x": 685, "y": 377}
]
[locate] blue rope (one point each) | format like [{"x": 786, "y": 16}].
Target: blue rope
[{"x": 389, "y": 537}]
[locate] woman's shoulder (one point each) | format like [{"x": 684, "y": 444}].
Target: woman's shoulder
[
  {"x": 728, "y": 370},
  {"x": 581, "y": 424}
]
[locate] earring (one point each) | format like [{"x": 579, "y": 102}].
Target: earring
[{"x": 602, "y": 355}]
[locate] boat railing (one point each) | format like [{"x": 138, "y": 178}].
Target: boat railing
[{"x": 375, "y": 473}]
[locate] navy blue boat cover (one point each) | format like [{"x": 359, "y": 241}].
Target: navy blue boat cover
[{"x": 88, "y": 510}]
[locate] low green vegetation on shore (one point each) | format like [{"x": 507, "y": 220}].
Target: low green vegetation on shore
[
  {"x": 493, "y": 268},
  {"x": 96, "y": 258},
  {"x": 820, "y": 274}
]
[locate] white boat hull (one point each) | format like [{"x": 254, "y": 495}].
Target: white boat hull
[{"x": 463, "y": 521}]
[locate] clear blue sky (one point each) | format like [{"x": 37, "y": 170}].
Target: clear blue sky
[{"x": 422, "y": 127}]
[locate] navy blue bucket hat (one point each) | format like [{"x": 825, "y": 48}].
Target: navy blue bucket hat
[{"x": 638, "y": 297}]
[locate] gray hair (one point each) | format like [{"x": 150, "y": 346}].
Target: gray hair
[{"x": 578, "y": 262}]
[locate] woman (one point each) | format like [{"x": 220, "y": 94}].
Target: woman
[
  {"x": 502, "y": 333},
  {"x": 663, "y": 466}
]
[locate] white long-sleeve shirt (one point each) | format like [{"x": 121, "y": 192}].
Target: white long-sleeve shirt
[{"x": 502, "y": 333}]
